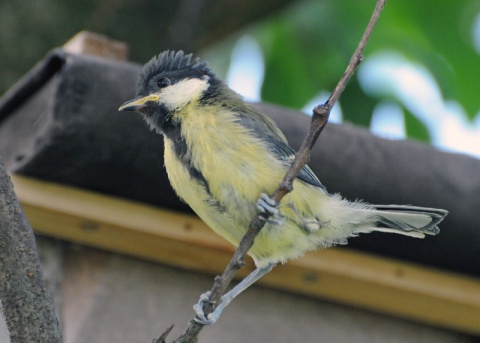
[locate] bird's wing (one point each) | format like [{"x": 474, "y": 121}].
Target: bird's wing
[
  {"x": 285, "y": 152},
  {"x": 265, "y": 129}
]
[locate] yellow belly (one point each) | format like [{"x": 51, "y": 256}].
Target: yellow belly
[
  {"x": 238, "y": 167},
  {"x": 234, "y": 206}
]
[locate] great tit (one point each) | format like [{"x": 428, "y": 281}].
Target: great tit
[{"x": 223, "y": 158}]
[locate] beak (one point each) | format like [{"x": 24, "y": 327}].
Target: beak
[{"x": 138, "y": 103}]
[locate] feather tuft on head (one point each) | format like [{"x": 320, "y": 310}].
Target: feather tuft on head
[
  {"x": 168, "y": 61},
  {"x": 174, "y": 65}
]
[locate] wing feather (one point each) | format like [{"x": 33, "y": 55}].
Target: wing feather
[{"x": 264, "y": 128}]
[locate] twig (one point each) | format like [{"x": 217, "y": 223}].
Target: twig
[
  {"x": 319, "y": 120},
  {"x": 163, "y": 336}
]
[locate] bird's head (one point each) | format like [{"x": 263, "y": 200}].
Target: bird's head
[{"x": 169, "y": 82}]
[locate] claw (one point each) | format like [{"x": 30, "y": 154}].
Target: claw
[
  {"x": 212, "y": 317},
  {"x": 227, "y": 298},
  {"x": 265, "y": 204}
]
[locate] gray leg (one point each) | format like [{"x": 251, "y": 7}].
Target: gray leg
[{"x": 228, "y": 297}]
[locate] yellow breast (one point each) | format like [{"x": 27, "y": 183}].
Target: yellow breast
[{"x": 237, "y": 167}]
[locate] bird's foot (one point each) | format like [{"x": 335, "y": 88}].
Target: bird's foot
[
  {"x": 201, "y": 317},
  {"x": 265, "y": 204}
]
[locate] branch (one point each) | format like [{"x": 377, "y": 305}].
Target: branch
[
  {"x": 319, "y": 120},
  {"x": 26, "y": 306}
]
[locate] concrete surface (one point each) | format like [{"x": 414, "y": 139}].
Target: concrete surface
[{"x": 106, "y": 297}]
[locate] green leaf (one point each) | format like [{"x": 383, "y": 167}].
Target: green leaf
[
  {"x": 415, "y": 128},
  {"x": 287, "y": 81},
  {"x": 357, "y": 107}
]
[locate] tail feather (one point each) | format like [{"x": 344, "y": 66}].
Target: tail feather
[{"x": 407, "y": 220}]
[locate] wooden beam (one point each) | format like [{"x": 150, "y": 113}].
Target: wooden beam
[
  {"x": 91, "y": 43},
  {"x": 387, "y": 286}
]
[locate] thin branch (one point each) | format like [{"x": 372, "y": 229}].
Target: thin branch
[
  {"x": 319, "y": 120},
  {"x": 163, "y": 337}
]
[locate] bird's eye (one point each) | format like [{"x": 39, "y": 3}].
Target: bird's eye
[{"x": 163, "y": 82}]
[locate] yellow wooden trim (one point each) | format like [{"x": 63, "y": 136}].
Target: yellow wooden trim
[{"x": 387, "y": 286}]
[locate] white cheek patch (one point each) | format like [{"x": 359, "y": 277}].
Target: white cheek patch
[{"x": 183, "y": 92}]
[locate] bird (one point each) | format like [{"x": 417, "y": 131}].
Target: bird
[{"x": 224, "y": 158}]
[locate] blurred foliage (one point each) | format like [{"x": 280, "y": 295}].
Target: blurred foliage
[
  {"x": 415, "y": 128},
  {"x": 437, "y": 34},
  {"x": 30, "y": 28},
  {"x": 306, "y": 45}
]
